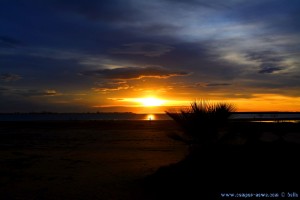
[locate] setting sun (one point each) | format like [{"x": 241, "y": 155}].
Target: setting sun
[
  {"x": 150, "y": 101},
  {"x": 145, "y": 102}
]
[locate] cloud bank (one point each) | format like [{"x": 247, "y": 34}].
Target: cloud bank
[{"x": 135, "y": 73}]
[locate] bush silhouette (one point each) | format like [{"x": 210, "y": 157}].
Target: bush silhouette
[{"x": 203, "y": 120}]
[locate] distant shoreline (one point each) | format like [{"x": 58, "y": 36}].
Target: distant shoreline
[
  {"x": 236, "y": 116},
  {"x": 256, "y": 112}
]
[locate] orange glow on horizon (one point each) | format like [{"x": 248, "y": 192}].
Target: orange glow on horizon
[
  {"x": 151, "y": 101},
  {"x": 154, "y": 104},
  {"x": 268, "y": 102},
  {"x": 145, "y": 102}
]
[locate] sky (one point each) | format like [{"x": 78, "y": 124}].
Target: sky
[{"x": 119, "y": 55}]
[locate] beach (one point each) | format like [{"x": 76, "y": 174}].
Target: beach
[
  {"x": 83, "y": 159},
  {"x": 129, "y": 159},
  {"x": 254, "y": 159}
]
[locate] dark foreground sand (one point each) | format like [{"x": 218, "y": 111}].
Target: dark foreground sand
[
  {"x": 137, "y": 160},
  {"x": 83, "y": 160},
  {"x": 258, "y": 158}
]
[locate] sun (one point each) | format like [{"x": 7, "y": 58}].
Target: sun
[
  {"x": 146, "y": 101},
  {"x": 151, "y": 101}
]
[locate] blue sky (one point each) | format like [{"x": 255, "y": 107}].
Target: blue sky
[{"x": 75, "y": 55}]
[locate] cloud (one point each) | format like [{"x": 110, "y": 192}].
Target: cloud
[
  {"x": 276, "y": 54},
  {"x": 202, "y": 84},
  {"x": 253, "y": 44},
  {"x": 145, "y": 49},
  {"x": 9, "y": 42},
  {"x": 269, "y": 69},
  {"x": 217, "y": 84},
  {"x": 34, "y": 93},
  {"x": 49, "y": 93},
  {"x": 160, "y": 28},
  {"x": 3, "y": 90},
  {"x": 104, "y": 10},
  {"x": 8, "y": 77},
  {"x": 264, "y": 56},
  {"x": 105, "y": 87},
  {"x": 10, "y": 91},
  {"x": 45, "y": 53},
  {"x": 268, "y": 61},
  {"x": 135, "y": 73}
]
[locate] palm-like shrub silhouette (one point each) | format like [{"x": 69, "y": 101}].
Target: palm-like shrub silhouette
[{"x": 203, "y": 120}]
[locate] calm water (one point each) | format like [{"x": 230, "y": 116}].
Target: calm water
[
  {"x": 82, "y": 116},
  {"x": 262, "y": 117}
]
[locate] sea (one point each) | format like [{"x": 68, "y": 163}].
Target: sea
[{"x": 253, "y": 116}]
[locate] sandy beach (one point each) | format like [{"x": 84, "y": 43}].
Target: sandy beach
[
  {"x": 138, "y": 160},
  {"x": 83, "y": 160},
  {"x": 257, "y": 158}
]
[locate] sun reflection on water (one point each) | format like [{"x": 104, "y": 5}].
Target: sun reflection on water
[{"x": 150, "y": 117}]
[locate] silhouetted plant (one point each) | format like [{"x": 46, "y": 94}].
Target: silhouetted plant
[{"x": 202, "y": 120}]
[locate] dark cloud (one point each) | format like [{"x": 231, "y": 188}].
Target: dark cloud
[
  {"x": 270, "y": 61},
  {"x": 9, "y": 91},
  {"x": 34, "y": 93},
  {"x": 145, "y": 49},
  {"x": 269, "y": 69},
  {"x": 9, "y": 42},
  {"x": 161, "y": 28},
  {"x": 104, "y": 10},
  {"x": 220, "y": 42},
  {"x": 202, "y": 84},
  {"x": 111, "y": 86},
  {"x": 3, "y": 90},
  {"x": 31, "y": 93},
  {"x": 265, "y": 56},
  {"x": 213, "y": 4},
  {"x": 217, "y": 84},
  {"x": 279, "y": 14},
  {"x": 135, "y": 73},
  {"x": 49, "y": 93},
  {"x": 8, "y": 77}
]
